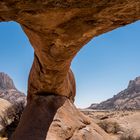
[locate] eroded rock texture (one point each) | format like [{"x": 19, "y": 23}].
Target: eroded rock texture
[
  {"x": 6, "y": 82},
  {"x": 68, "y": 123},
  {"x": 57, "y": 30},
  {"x": 12, "y": 104}
]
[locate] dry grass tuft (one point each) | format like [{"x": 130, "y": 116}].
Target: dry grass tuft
[
  {"x": 129, "y": 135},
  {"x": 110, "y": 127},
  {"x": 124, "y": 137}
]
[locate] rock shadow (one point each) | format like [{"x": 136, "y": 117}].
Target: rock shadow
[{"x": 38, "y": 116}]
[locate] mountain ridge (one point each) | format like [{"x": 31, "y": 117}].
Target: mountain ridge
[
  {"x": 6, "y": 82},
  {"x": 8, "y": 91},
  {"x": 128, "y": 98},
  {"x": 12, "y": 104}
]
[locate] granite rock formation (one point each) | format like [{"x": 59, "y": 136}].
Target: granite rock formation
[
  {"x": 57, "y": 30},
  {"x": 9, "y": 92},
  {"x": 6, "y": 82},
  {"x": 12, "y": 104},
  {"x": 128, "y": 99},
  {"x": 65, "y": 122}
]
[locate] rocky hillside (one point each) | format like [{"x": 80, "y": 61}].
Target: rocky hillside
[
  {"x": 12, "y": 103},
  {"x": 126, "y": 99},
  {"x": 9, "y": 92},
  {"x": 6, "y": 82}
]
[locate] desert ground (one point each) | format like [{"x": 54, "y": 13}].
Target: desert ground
[{"x": 120, "y": 125}]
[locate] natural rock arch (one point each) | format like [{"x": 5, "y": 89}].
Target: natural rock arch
[{"x": 57, "y": 30}]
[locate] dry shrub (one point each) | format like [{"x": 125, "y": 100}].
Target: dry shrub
[
  {"x": 18, "y": 108},
  {"x": 110, "y": 127},
  {"x": 129, "y": 135},
  {"x": 6, "y": 119},
  {"x": 10, "y": 120}
]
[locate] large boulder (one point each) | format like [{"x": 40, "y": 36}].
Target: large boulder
[{"x": 62, "y": 122}]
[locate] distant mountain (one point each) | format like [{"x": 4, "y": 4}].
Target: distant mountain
[
  {"x": 9, "y": 92},
  {"x": 125, "y": 100},
  {"x": 12, "y": 104},
  {"x": 6, "y": 82}
]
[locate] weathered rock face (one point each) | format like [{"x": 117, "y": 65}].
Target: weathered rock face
[
  {"x": 68, "y": 123},
  {"x": 57, "y": 30},
  {"x": 6, "y": 82},
  {"x": 12, "y": 103},
  {"x": 124, "y": 100},
  {"x": 9, "y": 92}
]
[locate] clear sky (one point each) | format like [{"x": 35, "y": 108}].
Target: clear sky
[{"x": 102, "y": 68}]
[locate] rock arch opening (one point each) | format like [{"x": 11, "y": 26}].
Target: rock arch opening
[
  {"x": 16, "y": 54},
  {"x": 57, "y": 31},
  {"x": 106, "y": 64}
]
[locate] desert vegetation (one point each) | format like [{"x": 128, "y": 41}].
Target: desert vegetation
[
  {"x": 129, "y": 138},
  {"x": 115, "y": 128},
  {"x": 120, "y": 125},
  {"x": 129, "y": 135},
  {"x": 9, "y": 120},
  {"x": 110, "y": 127}
]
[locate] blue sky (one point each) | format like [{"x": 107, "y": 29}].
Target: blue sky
[{"x": 102, "y": 68}]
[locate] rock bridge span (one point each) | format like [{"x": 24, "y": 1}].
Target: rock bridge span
[{"x": 57, "y": 30}]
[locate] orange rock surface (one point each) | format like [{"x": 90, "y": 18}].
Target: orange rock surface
[{"x": 57, "y": 30}]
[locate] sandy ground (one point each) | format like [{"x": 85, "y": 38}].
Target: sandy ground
[{"x": 128, "y": 121}]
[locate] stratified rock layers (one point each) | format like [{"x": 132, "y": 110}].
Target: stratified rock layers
[{"x": 57, "y": 30}]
